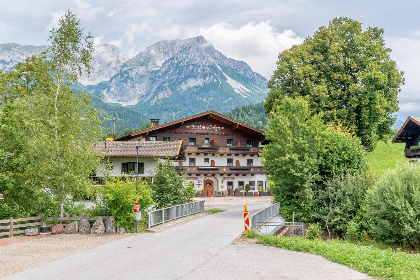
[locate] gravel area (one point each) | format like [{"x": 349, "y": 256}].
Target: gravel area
[{"x": 21, "y": 256}]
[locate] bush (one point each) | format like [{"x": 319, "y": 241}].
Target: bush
[
  {"x": 393, "y": 206},
  {"x": 118, "y": 200},
  {"x": 340, "y": 200},
  {"x": 313, "y": 231},
  {"x": 247, "y": 187},
  {"x": 236, "y": 190},
  {"x": 260, "y": 190}
]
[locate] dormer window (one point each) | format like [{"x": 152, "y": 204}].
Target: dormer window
[
  {"x": 229, "y": 142},
  {"x": 192, "y": 141}
]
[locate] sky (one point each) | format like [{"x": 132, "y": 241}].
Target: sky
[{"x": 254, "y": 31}]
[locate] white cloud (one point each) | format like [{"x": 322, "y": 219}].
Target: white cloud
[
  {"x": 55, "y": 18},
  {"x": 116, "y": 43},
  {"x": 86, "y": 11},
  {"x": 258, "y": 44}
]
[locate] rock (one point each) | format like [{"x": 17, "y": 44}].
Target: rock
[
  {"x": 110, "y": 226},
  {"x": 121, "y": 230},
  {"x": 57, "y": 229},
  {"x": 84, "y": 226},
  {"x": 98, "y": 227},
  {"x": 72, "y": 228},
  {"x": 31, "y": 231}
]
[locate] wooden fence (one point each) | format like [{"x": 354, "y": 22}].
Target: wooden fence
[{"x": 7, "y": 227}]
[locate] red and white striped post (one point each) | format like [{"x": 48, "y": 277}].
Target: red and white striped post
[{"x": 246, "y": 218}]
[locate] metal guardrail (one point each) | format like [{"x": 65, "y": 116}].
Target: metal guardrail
[
  {"x": 264, "y": 215},
  {"x": 164, "y": 215}
]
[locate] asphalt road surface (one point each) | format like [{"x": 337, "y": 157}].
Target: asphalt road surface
[{"x": 199, "y": 249}]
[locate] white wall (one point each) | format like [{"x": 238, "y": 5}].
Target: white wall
[{"x": 149, "y": 166}]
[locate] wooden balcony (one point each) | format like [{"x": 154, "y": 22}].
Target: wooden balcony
[
  {"x": 221, "y": 150},
  {"x": 228, "y": 170},
  {"x": 412, "y": 153}
]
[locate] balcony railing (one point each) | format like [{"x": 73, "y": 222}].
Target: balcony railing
[
  {"x": 222, "y": 150},
  {"x": 221, "y": 169}
]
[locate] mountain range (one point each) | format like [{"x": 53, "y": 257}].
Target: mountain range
[{"x": 168, "y": 80}]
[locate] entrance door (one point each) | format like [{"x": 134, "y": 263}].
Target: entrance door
[{"x": 208, "y": 187}]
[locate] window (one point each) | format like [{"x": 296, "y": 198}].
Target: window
[
  {"x": 152, "y": 138},
  {"x": 252, "y": 185},
  {"x": 192, "y": 161},
  {"x": 206, "y": 160},
  {"x": 206, "y": 141},
  {"x": 249, "y": 143},
  {"x": 230, "y": 162},
  {"x": 166, "y": 138},
  {"x": 229, "y": 142},
  {"x": 260, "y": 184},
  {"x": 229, "y": 185},
  {"x": 130, "y": 168},
  {"x": 241, "y": 185},
  {"x": 250, "y": 162},
  {"x": 192, "y": 141}
]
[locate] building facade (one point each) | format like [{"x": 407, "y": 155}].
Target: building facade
[
  {"x": 220, "y": 154},
  {"x": 410, "y": 135}
]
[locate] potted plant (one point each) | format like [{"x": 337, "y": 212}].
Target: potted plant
[
  {"x": 44, "y": 228},
  {"x": 237, "y": 192},
  {"x": 200, "y": 193},
  {"x": 247, "y": 192}
]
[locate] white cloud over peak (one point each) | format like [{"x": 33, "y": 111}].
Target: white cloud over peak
[
  {"x": 258, "y": 44},
  {"x": 55, "y": 18}
]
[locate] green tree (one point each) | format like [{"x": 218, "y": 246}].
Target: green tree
[
  {"x": 170, "y": 188},
  {"x": 347, "y": 74},
  {"x": 48, "y": 128},
  {"x": 304, "y": 154}
]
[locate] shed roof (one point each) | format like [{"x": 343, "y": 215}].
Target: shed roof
[
  {"x": 410, "y": 128},
  {"x": 149, "y": 149}
]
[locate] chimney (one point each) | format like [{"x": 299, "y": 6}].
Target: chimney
[{"x": 154, "y": 122}]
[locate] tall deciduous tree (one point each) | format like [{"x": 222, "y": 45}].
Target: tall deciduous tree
[
  {"x": 347, "y": 74},
  {"x": 304, "y": 153},
  {"x": 54, "y": 126}
]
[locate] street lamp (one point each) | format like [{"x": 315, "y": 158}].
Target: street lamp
[{"x": 137, "y": 178}]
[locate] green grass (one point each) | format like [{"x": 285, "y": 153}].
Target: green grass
[
  {"x": 369, "y": 259},
  {"x": 214, "y": 211},
  {"x": 386, "y": 156}
]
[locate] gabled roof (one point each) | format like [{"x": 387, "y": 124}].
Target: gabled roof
[
  {"x": 149, "y": 149},
  {"x": 211, "y": 114},
  {"x": 410, "y": 128}
]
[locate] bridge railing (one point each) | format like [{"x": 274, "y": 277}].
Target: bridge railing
[
  {"x": 164, "y": 215},
  {"x": 264, "y": 215}
]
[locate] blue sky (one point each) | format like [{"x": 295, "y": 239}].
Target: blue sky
[{"x": 255, "y": 31}]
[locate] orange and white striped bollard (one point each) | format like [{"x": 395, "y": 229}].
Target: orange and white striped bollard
[{"x": 246, "y": 218}]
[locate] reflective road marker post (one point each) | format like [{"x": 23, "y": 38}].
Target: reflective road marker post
[{"x": 246, "y": 218}]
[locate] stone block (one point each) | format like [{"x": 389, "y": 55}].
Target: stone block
[
  {"x": 121, "y": 230},
  {"x": 57, "y": 229},
  {"x": 110, "y": 226},
  {"x": 31, "y": 231},
  {"x": 84, "y": 226},
  {"x": 98, "y": 227},
  {"x": 72, "y": 228}
]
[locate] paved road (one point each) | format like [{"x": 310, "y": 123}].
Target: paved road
[{"x": 200, "y": 249}]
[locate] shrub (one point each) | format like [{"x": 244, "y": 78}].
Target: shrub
[
  {"x": 313, "y": 231},
  {"x": 247, "y": 187},
  {"x": 260, "y": 190},
  {"x": 393, "y": 206},
  {"x": 118, "y": 200},
  {"x": 340, "y": 200},
  {"x": 236, "y": 190}
]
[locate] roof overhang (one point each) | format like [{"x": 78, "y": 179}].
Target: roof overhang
[{"x": 410, "y": 129}]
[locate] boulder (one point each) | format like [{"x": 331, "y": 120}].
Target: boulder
[
  {"x": 121, "y": 230},
  {"x": 110, "y": 226},
  {"x": 57, "y": 229},
  {"x": 84, "y": 226},
  {"x": 31, "y": 231},
  {"x": 72, "y": 228},
  {"x": 98, "y": 227}
]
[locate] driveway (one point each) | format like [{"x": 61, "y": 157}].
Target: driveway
[{"x": 200, "y": 249}]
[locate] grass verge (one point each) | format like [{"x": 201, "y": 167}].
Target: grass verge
[
  {"x": 214, "y": 211},
  {"x": 369, "y": 259}
]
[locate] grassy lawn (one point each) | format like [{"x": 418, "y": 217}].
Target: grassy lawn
[
  {"x": 386, "y": 156},
  {"x": 369, "y": 259}
]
